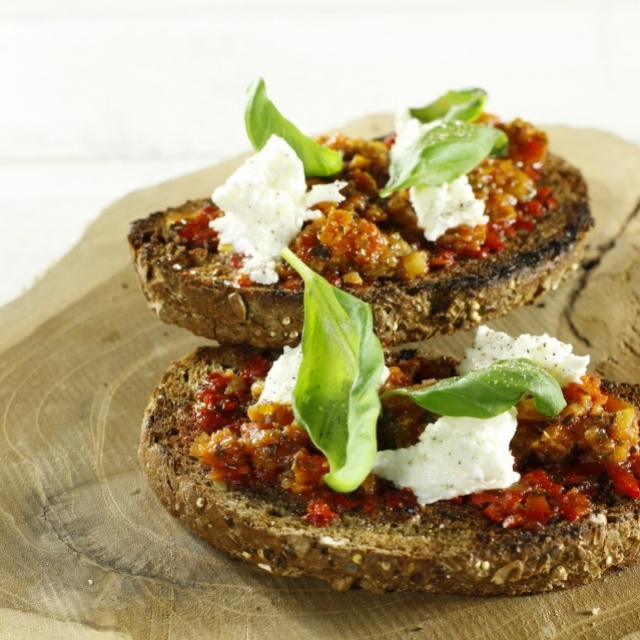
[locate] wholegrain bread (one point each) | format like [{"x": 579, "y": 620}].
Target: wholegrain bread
[
  {"x": 180, "y": 287},
  {"x": 446, "y": 547}
]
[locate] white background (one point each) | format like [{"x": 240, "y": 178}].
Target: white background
[{"x": 102, "y": 97}]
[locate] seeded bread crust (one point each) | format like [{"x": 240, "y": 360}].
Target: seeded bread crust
[
  {"x": 179, "y": 285},
  {"x": 448, "y": 548}
]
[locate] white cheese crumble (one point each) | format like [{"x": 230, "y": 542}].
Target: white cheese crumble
[
  {"x": 437, "y": 209},
  {"x": 454, "y": 457},
  {"x": 266, "y": 203},
  {"x": 281, "y": 379},
  {"x": 551, "y": 354}
]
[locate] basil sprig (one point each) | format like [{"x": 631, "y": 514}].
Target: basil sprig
[
  {"x": 464, "y": 105},
  {"x": 451, "y": 148},
  {"x": 336, "y": 393},
  {"x": 487, "y": 392},
  {"x": 442, "y": 154},
  {"x": 262, "y": 120}
]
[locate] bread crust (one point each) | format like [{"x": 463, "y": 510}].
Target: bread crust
[
  {"x": 448, "y": 548},
  {"x": 180, "y": 288}
]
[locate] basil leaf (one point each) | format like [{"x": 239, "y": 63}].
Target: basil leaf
[
  {"x": 489, "y": 391},
  {"x": 442, "y": 154},
  {"x": 465, "y": 105},
  {"x": 262, "y": 120},
  {"x": 336, "y": 394}
]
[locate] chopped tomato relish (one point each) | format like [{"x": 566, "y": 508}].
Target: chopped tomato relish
[
  {"x": 271, "y": 450},
  {"x": 223, "y": 398},
  {"x": 365, "y": 237},
  {"x": 194, "y": 230},
  {"x": 587, "y": 455}
]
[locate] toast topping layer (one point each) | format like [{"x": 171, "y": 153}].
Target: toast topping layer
[
  {"x": 569, "y": 464},
  {"x": 366, "y": 237}
]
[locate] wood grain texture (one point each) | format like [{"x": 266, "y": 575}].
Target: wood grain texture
[{"x": 87, "y": 552}]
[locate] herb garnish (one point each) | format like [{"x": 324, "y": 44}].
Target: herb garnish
[
  {"x": 262, "y": 120},
  {"x": 464, "y": 105},
  {"x": 487, "y": 392},
  {"x": 336, "y": 393},
  {"x": 449, "y": 149},
  {"x": 442, "y": 154}
]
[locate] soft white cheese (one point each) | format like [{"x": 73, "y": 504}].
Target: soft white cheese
[
  {"x": 548, "y": 352},
  {"x": 454, "y": 457},
  {"x": 439, "y": 209},
  {"x": 266, "y": 203},
  {"x": 281, "y": 379}
]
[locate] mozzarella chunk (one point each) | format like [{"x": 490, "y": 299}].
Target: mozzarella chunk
[
  {"x": 281, "y": 379},
  {"x": 439, "y": 209},
  {"x": 548, "y": 352},
  {"x": 266, "y": 203},
  {"x": 454, "y": 457}
]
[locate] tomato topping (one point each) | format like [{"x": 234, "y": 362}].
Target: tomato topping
[
  {"x": 624, "y": 482},
  {"x": 587, "y": 455},
  {"x": 195, "y": 231},
  {"x": 365, "y": 237},
  {"x": 319, "y": 513},
  {"x": 223, "y": 398}
]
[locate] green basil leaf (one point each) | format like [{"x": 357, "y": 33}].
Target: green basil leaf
[
  {"x": 336, "y": 394},
  {"x": 501, "y": 146},
  {"x": 262, "y": 120},
  {"x": 465, "y": 105},
  {"x": 487, "y": 392},
  {"x": 442, "y": 154}
]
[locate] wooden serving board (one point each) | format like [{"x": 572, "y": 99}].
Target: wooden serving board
[{"x": 88, "y": 552}]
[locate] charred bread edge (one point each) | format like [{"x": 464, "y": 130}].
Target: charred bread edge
[
  {"x": 453, "y": 549},
  {"x": 439, "y": 303}
]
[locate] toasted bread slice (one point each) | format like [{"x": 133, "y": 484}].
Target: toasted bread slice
[
  {"x": 180, "y": 286},
  {"x": 444, "y": 547}
]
